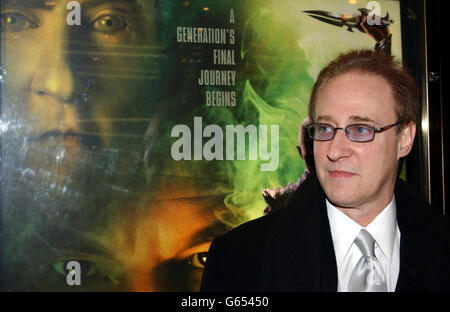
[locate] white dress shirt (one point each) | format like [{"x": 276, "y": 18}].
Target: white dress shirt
[{"x": 384, "y": 229}]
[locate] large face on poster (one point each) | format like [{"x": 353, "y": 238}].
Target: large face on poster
[{"x": 134, "y": 132}]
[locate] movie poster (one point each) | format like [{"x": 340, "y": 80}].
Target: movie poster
[{"x": 134, "y": 132}]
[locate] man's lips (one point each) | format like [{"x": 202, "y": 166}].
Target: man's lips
[
  {"x": 341, "y": 174},
  {"x": 68, "y": 135}
]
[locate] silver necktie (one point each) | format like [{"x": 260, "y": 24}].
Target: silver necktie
[{"x": 368, "y": 274}]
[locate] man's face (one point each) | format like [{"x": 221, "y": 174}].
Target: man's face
[
  {"x": 352, "y": 174},
  {"x": 172, "y": 234},
  {"x": 76, "y": 104},
  {"x": 71, "y": 89}
]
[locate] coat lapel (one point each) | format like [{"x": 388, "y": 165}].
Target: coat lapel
[
  {"x": 299, "y": 254},
  {"x": 411, "y": 237}
]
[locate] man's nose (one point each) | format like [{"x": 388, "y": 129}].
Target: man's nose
[
  {"x": 339, "y": 146},
  {"x": 53, "y": 75}
]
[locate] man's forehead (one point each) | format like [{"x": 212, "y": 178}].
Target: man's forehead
[
  {"x": 355, "y": 97},
  {"x": 50, "y": 4}
]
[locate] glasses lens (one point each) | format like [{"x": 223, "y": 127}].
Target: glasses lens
[
  {"x": 321, "y": 132},
  {"x": 360, "y": 133}
]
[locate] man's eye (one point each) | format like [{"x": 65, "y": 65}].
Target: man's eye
[
  {"x": 198, "y": 260},
  {"x": 109, "y": 23},
  {"x": 361, "y": 129},
  {"x": 87, "y": 268},
  {"x": 15, "y": 22},
  {"x": 324, "y": 129}
]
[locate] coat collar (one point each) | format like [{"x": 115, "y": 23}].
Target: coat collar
[
  {"x": 299, "y": 254},
  {"x": 411, "y": 241}
]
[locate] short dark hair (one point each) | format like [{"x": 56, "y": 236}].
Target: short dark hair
[{"x": 403, "y": 86}]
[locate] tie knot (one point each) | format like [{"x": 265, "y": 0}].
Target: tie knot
[{"x": 365, "y": 243}]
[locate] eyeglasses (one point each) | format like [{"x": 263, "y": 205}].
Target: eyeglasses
[{"x": 354, "y": 132}]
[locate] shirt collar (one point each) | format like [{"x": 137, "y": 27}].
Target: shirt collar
[
  {"x": 383, "y": 229},
  {"x": 344, "y": 230}
]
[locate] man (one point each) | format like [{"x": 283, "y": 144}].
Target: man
[{"x": 354, "y": 227}]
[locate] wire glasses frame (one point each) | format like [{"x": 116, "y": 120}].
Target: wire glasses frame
[{"x": 355, "y": 132}]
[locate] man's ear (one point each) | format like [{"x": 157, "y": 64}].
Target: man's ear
[
  {"x": 407, "y": 135},
  {"x": 301, "y": 147}
]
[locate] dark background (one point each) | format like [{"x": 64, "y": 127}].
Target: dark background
[
  {"x": 438, "y": 57},
  {"x": 425, "y": 51}
]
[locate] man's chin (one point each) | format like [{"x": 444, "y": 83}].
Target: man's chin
[
  {"x": 54, "y": 161},
  {"x": 341, "y": 196}
]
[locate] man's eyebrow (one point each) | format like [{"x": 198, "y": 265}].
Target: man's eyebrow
[
  {"x": 352, "y": 118},
  {"x": 355, "y": 118},
  {"x": 325, "y": 118},
  {"x": 209, "y": 232},
  {"x": 50, "y": 4},
  {"x": 94, "y": 3},
  {"x": 32, "y": 4}
]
